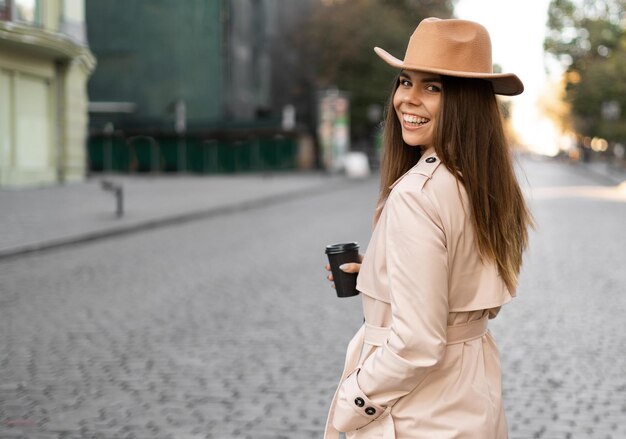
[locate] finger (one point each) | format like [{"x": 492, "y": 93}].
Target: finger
[
  {"x": 327, "y": 267},
  {"x": 350, "y": 267},
  {"x": 333, "y": 285},
  {"x": 330, "y": 277}
]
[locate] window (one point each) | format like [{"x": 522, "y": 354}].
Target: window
[
  {"x": 5, "y": 9},
  {"x": 25, "y": 11}
]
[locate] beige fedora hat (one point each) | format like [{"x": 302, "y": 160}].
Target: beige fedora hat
[{"x": 455, "y": 48}]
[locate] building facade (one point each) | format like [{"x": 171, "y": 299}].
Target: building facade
[
  {"x": 44, "y": 66},
  {"x": 154, "y": 57},
  {"x": 216, "y": 60},
  {"x": 194, "y": 86}
]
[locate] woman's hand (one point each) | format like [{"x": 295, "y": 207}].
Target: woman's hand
[{"x": 350, "y": 267}]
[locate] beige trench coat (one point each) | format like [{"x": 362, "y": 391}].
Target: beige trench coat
[{"x": 423, "y": 365}]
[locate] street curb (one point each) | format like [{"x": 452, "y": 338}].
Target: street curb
[{"x": 171, "y": 220}]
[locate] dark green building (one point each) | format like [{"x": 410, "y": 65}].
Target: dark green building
[
  {"x": 209, "y": 71},
  {"x": 222, "y": 61},
  {"x": 152, "y": 54}
]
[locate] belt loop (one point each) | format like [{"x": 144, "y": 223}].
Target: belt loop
[{"x": 376, "y": 335}]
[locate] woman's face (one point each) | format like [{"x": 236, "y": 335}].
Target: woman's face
[{"x": 416, "y": 102}]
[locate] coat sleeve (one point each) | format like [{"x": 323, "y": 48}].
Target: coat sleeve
[{"x": 417, "y": 267}]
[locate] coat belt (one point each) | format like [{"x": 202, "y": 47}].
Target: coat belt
[
  {"x": 467, "y": 331},
  {"x": 378, "y": 335}
]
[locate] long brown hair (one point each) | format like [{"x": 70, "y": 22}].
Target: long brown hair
[
  {"x": 470, "y": 141},
  {"x": 398, "y": 157}
]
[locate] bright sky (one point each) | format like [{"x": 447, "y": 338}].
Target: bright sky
[{"x": 517, "y": 30}]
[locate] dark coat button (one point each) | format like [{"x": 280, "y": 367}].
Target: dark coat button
[
  {"x": 431, "y": 160},
  {"x": 370, "y": 411},
  {"x": 359, "y": 401}
]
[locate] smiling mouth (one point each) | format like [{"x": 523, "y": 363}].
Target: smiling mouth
[{"x": 414, "y": 121}]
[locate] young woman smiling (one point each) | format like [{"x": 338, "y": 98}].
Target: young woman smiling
[
  {"x": 449, "y": 232},
  {"x": 416, "y": 102}
]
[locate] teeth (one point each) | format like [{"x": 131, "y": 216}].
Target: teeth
[{"x": 413, "y": 119}]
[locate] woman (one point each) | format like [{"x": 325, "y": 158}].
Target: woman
[{"x": 446, "y": 250}]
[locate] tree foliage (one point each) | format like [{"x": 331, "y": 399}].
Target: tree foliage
[
  {"x": 337, "y": 41},
  {"x": 588, "y": 37}
]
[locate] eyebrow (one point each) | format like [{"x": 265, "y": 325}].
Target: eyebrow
[{"x": 427, "y": 79}]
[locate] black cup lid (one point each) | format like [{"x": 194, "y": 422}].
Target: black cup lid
[{"x": 342, "y": 247}]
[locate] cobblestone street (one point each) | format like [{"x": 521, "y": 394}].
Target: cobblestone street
[{"x": 225, "y": 327}]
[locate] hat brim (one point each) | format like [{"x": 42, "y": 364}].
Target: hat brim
[{"x": 507, "y": 84}]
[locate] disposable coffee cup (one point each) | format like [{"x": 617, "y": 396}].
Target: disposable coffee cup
[{"x": 339, "y": 254}]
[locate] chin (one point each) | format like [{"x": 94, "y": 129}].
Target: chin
[
  {"x": 417, "y": 139},
  {"x": 413, "y": 142}
]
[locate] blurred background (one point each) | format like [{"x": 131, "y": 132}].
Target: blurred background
[
  {"x": 210, "y": 87},
  {"x": 170, "y": 172}
]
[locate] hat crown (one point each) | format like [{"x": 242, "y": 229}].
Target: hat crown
[{"x": 458, "y": 45}]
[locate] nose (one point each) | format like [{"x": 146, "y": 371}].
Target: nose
[{"x": 413, "y": 96}]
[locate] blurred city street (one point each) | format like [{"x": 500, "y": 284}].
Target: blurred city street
[
  {"x": 225, "y": 327},
  {"x": 171, "y": 172}
]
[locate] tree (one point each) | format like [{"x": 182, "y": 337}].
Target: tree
[
  {"x": 588, "y": 38},
  {"x": 336, "y": 44}
]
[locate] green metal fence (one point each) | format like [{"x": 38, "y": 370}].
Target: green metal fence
[{"x": 140, "y": 154}]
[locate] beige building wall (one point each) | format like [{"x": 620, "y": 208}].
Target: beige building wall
[
  {"x": 44, "y": 67},
  {"x": 74, "y": 123}
]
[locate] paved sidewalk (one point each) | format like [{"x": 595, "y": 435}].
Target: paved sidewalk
[{"x": 41, "y": 218}]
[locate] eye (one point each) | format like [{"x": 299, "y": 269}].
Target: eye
[
  {"x": 404, "y": 82},
  {"x": 433, "y": 88}
]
